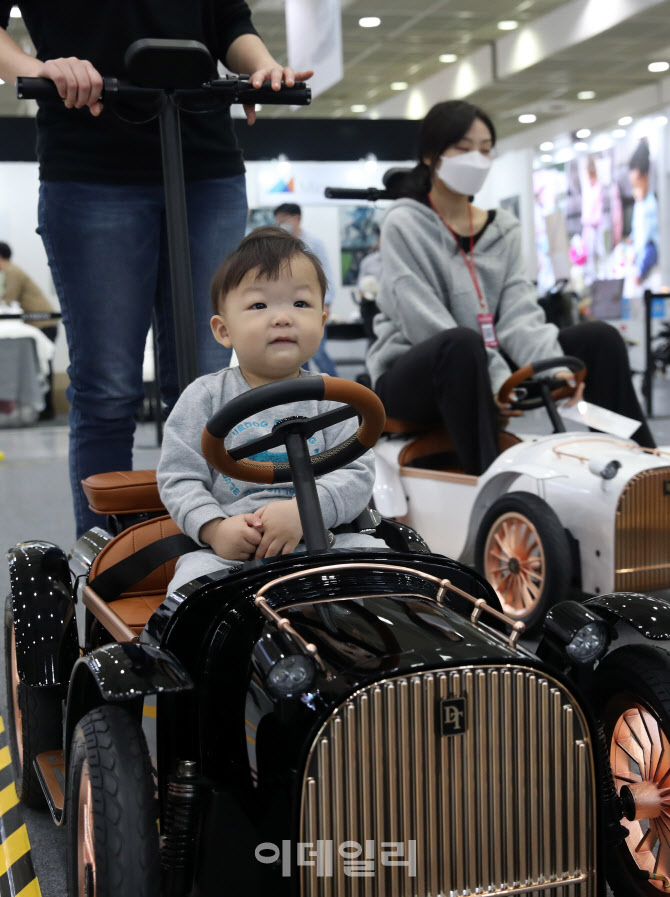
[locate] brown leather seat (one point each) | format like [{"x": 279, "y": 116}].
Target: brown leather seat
[
  {"x": 434, "y": 441},
  {"x": 134, "y": 606},
  {"x": 123, "y": 492}
]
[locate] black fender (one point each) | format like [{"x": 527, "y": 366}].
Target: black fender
[
  {"x": 634, "y": 618},
  {"x": 120, "y": 673},
  {"x": 43, "y": 610}
]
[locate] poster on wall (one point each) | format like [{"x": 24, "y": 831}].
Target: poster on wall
[
  {"x": 359, "y": 239},
  {"x": 597, "y": 220}
]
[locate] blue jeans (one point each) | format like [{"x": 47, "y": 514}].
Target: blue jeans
[
  {"x": 107, "y": 250},
  {"x": 323, "y": 361}
]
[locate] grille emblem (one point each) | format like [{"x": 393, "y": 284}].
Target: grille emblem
[{"x": 453, "y": 719}]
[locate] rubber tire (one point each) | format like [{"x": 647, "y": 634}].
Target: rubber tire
[
  {"x": 41, "y": 721},
  {"x": 558, "y": 560},
  {"x": 643, "y": 673},
  {"x": 125, "y": 834}
]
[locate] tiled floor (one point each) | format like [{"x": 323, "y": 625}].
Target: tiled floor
[{"x": 35, "y": 499}]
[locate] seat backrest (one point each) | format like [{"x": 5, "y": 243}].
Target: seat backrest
[
  {"x": 132, "y": 540},
  {"x": 123, "y": 492}
]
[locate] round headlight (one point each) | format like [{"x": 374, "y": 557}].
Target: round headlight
[
  {"x": 291, "y": 675},
  {"x": 587, "y": 643}
]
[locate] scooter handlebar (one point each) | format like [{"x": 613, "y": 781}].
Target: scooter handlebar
[{"x": 230, "y": 90}]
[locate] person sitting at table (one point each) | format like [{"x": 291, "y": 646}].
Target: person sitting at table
[{"x": 19, "y": 287}]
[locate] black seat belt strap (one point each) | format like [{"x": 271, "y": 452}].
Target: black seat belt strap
[{"x": 113, "y": 581}]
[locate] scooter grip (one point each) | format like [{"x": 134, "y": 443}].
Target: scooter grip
[{"x": 36, "y": 89}]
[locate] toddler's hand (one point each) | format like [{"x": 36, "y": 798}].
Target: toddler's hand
[
  {"x": 282, "y": 529},
  {"x": 234, "y": 538}
]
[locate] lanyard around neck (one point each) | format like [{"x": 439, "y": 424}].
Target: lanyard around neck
[{"x": 469, "y": 262}]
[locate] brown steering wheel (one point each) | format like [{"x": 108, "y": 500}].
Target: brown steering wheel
[
  {"x": 532, "y": 388},
  {"x": 357, "y": 400}
]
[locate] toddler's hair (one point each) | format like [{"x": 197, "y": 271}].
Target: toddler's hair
[{"x": 265, "y": 250}]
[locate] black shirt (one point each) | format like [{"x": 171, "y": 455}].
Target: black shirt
[{"x": 71, "y": 143}]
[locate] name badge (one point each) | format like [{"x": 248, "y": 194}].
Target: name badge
[{"x": 488, "y": 330}]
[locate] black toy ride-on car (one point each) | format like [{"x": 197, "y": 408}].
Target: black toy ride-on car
[{"x": 333, "y": 722}]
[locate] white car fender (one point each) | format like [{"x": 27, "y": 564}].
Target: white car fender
[
  {"x": 498, "y": 481},
  {"x": 389, "y": 494}
]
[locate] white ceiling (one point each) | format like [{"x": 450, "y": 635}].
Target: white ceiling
[{"x": 413, "y": 34}]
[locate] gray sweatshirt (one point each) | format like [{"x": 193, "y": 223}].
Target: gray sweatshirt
[
  {"x": 426, "y": 288},
  {"x": 194, "y": 493}
]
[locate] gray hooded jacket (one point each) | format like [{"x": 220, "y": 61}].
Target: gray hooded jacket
[{"x": 426, "y": 288}]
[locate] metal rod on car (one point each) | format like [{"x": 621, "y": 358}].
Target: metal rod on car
[
  {"x": 313, "y": 528},
  {"x": 550, "y": 405}
]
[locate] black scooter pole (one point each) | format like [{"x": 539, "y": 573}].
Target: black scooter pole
[{"x": 183, "y": 307}]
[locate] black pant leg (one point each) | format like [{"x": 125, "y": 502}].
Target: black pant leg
[
  {"x": 445, "y": 380},
  {"x": 608, "y": 377}
]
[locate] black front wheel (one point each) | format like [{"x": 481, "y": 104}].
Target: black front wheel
[
  {"x": 634, "y": 694},
  {"x": 111, "y": 810},
  {"x": 523, "y": 551}
]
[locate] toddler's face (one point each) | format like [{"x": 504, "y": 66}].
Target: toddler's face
[{"x": 275, "y": 326}]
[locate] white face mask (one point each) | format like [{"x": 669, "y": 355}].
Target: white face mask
[{"x": 464, "y": 173}]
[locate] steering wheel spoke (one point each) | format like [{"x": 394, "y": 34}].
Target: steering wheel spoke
[{"x": 306, "y": 426}]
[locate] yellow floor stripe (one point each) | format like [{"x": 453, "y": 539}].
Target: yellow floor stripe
[
  {"x": 2, "y": 725},
  {"x": 30, "y": 890},
  {"x": 150, "y": 710},
  {"x": 13, "y": 847},
  {"x": 8, "y": 798},
  {"x": 5, "y": 759}
]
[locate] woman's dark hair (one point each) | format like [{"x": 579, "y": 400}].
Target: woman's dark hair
[
  {"x": 265, "y": 250},
  {"x": 5, "y": 251},
  {"x": 639, "y": 161},
  {"x": 444, "y": 125}
]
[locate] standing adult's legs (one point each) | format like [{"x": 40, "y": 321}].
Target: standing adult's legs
[
  {"x": 608, "y": 377},
  {"x": 444, "y": 381},
  {"x": 102, "y": 244}
]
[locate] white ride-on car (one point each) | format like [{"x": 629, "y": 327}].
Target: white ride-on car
[{"x": 569, "y": 510}]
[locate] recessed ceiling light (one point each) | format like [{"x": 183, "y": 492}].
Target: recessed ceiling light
[
  {"x": 546, "y": 146},
  {"x": 448, "y": 57},
  {"x": 546, "y": 158},
  {"x": 15, "y": 12},
  {"x": 658, "y": 66},
  {"x": 413, "y": 69},
  {"x": 1, "y": 81},
  {"x": 369, "y": 21},
  {"x": 580, "y": 146},
  {"x": 399, "y": 85},
  {"x": 527, "y": 118},
  {"x": 359, "y": 107},
  {"x": 586, "y": 95},
  {"x": 564, "y": 155},
  {"x": 661, "y": 120},
  {"x": 618, "y": 133},
  {"x": 508, "y": 25},
  {"x": 626, "y": 120},
  {"x": 583, "y": 133}
]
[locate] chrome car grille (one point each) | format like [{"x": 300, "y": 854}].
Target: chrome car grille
[
  {"x": 642, "y": 536},
  {"x": 506, "y": 806}
]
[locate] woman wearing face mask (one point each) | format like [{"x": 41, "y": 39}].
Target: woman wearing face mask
[{"x": 454, "y": 300}]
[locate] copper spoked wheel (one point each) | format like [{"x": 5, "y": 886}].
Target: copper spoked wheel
[
  {"x": 514, "y": 564},
  {"x": 640, "y": 759},
  {"x": 86, "y": 860},
  {"x": 632, "y": 698},
  {"x": 18, "y": 720},
  {"x": 523, "y": 551}
]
